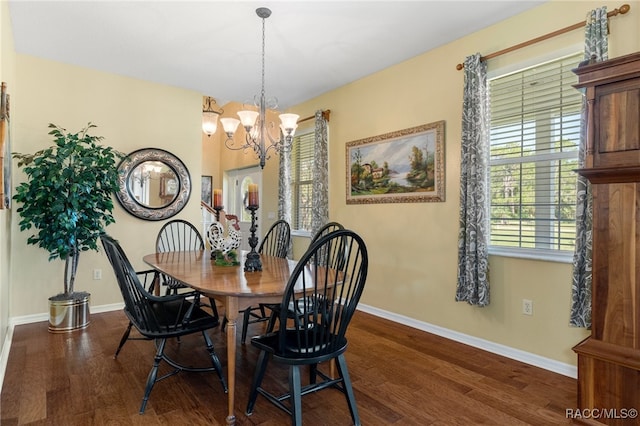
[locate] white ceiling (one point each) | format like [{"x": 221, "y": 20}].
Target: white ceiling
[{"x": 213, "y": 47}]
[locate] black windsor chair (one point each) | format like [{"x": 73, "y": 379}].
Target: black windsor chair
[
  {"x": 175, "y": 235},
  {"x": 329, "y": 278},
  {"x": 159, "y": 318}
]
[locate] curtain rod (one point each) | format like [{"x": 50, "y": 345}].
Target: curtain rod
[
  {"x": 621, "y": 10},
  {"x": 325, "y": 114}
]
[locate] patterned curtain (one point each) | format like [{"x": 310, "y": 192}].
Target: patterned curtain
[
  {"x": 284, "y": 191},
  {"x": 473, "y": 237},
  {"x": 595, "y": 49},
  {"x": 320, "y": 189}
]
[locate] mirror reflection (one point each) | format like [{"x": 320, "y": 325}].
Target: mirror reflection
[{"x": 153, "y": 184}]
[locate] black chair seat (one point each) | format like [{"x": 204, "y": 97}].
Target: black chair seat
[
  {"x": 171, "y": 316},
  {"x": 291, "y": 352}
]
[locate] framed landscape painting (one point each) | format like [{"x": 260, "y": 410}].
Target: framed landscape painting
[{"x": 406, "y": 166}]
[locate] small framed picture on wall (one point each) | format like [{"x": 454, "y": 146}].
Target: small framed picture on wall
[{"x": 207, "y": 184}]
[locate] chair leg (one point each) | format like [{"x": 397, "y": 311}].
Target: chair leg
[
  {"x": 125, "y": 336},
  {"x": 272, "y": 321},
  {"x": 245, "y": 324},
  {"x": 341, "y": 365},
  {"x": 313, "y": 373},
  {"x": 214, "y": 308},
  {"x": 295, "y": 387},
  {"x": 225, "y": 320},
  {"x": 153, "y": 374},
  {"x": 263, "y": 313},
  {"x": 215, "y": 360},
  {"x": 261, "y": 368}
]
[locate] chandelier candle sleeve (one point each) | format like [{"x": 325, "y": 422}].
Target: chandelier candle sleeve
[
  {"x": 253, "y": 195},
  {"x": 217, "y": 198}
]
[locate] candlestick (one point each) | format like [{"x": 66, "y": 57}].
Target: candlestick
[
  {"x": 252, "y": 262},
  {"x": 217, "y": 209},
  {"x": 253, "y": 195}
]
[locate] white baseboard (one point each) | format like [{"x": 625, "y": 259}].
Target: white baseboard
[
  {"x": 107, "y": 308},
  {"x": 4, "y": 354},
  {"x": 496, "y": 348},
  {"x": 28, "y": 319}
]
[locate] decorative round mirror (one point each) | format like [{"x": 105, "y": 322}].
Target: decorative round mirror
[{"x": 153, "y": 184}]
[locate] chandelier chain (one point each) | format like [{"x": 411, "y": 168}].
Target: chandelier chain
[{"x": 263, "y": 49}]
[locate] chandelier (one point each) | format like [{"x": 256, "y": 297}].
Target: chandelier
[{"x": 258, "y": 136}]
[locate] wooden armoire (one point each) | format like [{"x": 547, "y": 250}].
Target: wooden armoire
[{"x": 609, "y": 359}]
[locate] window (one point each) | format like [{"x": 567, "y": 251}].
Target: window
[
  {"x": 535, "y": 134},
  {"x": 302, "y": 158}
]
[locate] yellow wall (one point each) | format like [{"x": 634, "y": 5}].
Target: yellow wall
[
  {"x": 413, "y": 247},
  {"x": 130, "y": 114}
]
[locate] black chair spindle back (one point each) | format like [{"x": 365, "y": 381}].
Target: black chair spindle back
[
  {"x": 323, "y": 291},
  {"x": 276, "y": 240}
]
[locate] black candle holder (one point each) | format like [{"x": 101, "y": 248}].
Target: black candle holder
[
  {"x": 253, "y": 263},
  {"x": 217, "y": 209}
]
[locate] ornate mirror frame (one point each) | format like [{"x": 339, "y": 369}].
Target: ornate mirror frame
[{"x": 142, "y": 211}]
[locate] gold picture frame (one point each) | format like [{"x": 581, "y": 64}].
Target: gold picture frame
[{"x": 405, "y": 166}]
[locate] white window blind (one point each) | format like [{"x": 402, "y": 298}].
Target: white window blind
[
  {"x": 302, "y": 180},
  {"x": 535, "y": 134}
]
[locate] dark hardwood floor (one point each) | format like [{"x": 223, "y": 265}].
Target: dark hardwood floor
[{"x": 400, "y": 376}]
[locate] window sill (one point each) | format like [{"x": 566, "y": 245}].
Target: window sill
[
  {"x": 300, "y": 233},
  {"x": 544, "y": 255}
]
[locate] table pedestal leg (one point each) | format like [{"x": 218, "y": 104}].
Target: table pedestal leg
[{"x": 231, "y": 311}]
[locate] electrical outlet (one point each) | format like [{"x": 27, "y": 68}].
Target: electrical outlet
[
  {"x": 527, "y": 307},
  {"x": 97, "y": 274}
]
